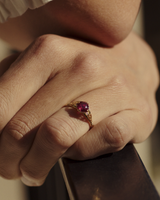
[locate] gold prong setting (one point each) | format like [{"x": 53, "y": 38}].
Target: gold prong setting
[{"x": 83, "y": 108}]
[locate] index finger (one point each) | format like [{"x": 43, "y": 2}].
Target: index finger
[{"x": 26, "y": 75}]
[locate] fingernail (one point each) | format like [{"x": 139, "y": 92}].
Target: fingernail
[{"x": 28, "y": 182}]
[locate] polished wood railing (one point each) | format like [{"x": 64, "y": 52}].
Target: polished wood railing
[{"x": 117, "y": 176}]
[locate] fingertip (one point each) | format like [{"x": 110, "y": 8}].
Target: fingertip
[{"x": 31, "y": 183}]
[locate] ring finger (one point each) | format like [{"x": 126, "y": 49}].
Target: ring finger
[{"x": 60, "y": 131}]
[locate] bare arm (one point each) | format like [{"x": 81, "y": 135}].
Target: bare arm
[{"x": 105, "y": 22}]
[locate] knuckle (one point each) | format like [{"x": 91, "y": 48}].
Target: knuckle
[
  {"x": 146, "y": 108},
  {"x": 46, "y": 45},
  {"x": 17, "y": 128},
  {"x": 89, "y": 65},
  {"x": 117, "y": 133},
  {"x": 59, "y": 132},
  {"x": 146, "y": 111},
  {"x": 119, "y": 86},
  {"x": 40, "y": 44},
  {"x": 118, "y": 83}
]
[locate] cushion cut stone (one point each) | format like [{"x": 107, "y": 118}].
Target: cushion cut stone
[{"x": 82, "y": 106}]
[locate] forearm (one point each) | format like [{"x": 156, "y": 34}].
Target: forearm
[{"x": 105, "y": 22}]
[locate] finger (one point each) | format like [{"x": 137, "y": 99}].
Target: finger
[
  {"x": 64, "y": 135},
  {"x": 54, "y": 137},
  {"x": 61, "y": 131},
  {"x": 20, "y": 82},
  {"x": 19, "y": 133},
  {"x": 12, "y": 84},
  {"x": 27, "y": 74},
  {"x": 111, "y": 135}
]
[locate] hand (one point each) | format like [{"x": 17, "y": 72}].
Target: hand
[{"x": 118, "y": 83}]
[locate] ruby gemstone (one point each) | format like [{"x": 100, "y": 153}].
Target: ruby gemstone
[{"x": 83, "y": 106}]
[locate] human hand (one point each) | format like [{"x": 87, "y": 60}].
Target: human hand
[{"x": 118, "y": 83}]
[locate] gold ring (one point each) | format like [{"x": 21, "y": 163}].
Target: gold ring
[{"x": 83, "y": 108}]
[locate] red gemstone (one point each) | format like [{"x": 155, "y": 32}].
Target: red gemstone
[{"x": 82, "y": 106}]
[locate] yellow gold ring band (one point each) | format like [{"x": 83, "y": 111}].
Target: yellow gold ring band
[{"x": 83, "y": 108}]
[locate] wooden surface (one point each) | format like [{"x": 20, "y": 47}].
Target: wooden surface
[{"x": 117, "y": 176}]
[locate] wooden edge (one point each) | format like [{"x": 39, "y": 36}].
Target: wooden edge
[
  {"x": 120, "y": 175},
  {"x": 66, "y": 179}
]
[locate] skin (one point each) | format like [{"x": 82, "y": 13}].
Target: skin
[
  {"x": 105, "y": 22},
  {"x": 119, "y": 83},
  {"x": 35, "y": 123}
]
